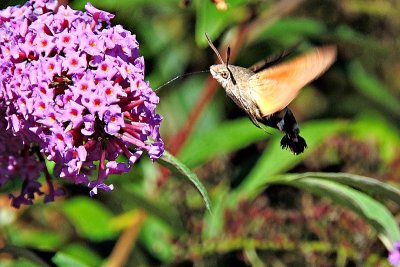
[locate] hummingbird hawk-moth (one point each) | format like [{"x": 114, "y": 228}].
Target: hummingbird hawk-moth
[{"x": 265, "y": 90}]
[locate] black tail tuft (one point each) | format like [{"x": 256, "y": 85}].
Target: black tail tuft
[
  {"x": 296, "y": 144},
  {"x": 286, "y": 123}
]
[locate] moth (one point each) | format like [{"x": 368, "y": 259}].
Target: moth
[{"x": 265, "y": 89}]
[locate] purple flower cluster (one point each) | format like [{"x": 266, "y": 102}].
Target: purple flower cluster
[
  {"x": 394, "y": 255},
  {"x": 73, "y": 85}
]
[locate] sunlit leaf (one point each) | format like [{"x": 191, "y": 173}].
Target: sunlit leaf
[
  {"x": 43, "y": 239},
  {"x": 80, "y": 253},
  {"x": 65, "y": 260},
  {"x": 90, "y": 219}
]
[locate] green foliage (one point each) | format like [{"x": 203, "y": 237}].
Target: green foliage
[
  {"x": 214, "y": 142},
  {"x": 77, "y": 253},
  {"x": 184, "y": 172},
  {"x": 372, "y": 88},
  {"x": 157, "y": 237},
  {"x": 64, "y": 260},
  {"x": 90, "y": 219},
  {"x": 295, "y": 29},
  {"x": 326, "y": 207},
  {"x": 209, "y": 19}
]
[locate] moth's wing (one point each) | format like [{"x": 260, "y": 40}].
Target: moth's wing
[
  {"x": 274, "y": 88},
  {"x": 273, "y": 60}
]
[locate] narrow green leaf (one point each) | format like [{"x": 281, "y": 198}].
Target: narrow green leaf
[
  {"x": 275, "y": 160},
  {"x": 366, "y": 184},
  {"x": 180, "y": 170},
  {"x": 372, "y": 88},
  {"x": 375, "y": 213},
  {"x": 65, "y": 260},
  {"x": 81, "y": 253},
  {"x": 90, "y": 218}
]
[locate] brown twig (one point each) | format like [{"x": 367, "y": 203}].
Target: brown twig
[{"x": 126, "y": 241}]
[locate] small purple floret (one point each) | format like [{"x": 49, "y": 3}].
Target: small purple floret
[{"x": 394, "y": 255}]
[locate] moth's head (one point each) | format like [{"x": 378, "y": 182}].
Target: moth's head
[{"x": 222, "y": 74}]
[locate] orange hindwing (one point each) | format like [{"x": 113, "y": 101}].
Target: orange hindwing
[{"x": 274, "y": 88}]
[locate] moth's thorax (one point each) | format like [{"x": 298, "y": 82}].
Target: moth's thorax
[
  {"x": 238, "y": 88},
  {"x": 240, "y": 75}
]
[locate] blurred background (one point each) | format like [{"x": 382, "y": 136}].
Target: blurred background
[{"x": 349, "y": 117}]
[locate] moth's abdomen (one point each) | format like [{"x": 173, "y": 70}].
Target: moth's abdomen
[{"x": 285, "y": 122}]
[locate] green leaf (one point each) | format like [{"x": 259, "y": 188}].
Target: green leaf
[
  {"x": 227, "y": 137},
  {"x": 180, "y": 170},
  {"x": 346, "y": 33},
  {"x": 41, "y": 239},
  {"x": 160, "y": 210},
  {"x": 65, "y": 260},
  {"x": 80, "y": 253},
  {"x": 375, "y": 213},
  {"x": 19, "y": 263},
  {"x": 157, "y": 238},
  {"x": 372, "y": 88},
  {"x": 383, "y": 132},
  {"x": 90, "y": 219},
  {"x": 366, "y": 184},
  {"x": 292, "y": 30},
  {"x": 275, "y": 160},
  {"x": 214, "y": 21}
]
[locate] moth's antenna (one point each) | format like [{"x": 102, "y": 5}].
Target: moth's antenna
[
  {"x": 213, "y": 48},
  {"x": 228, "y": 55},
  {"x": 179, "y": 77}
]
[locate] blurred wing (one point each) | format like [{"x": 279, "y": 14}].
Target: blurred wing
[{"x": 275, "y": 87}]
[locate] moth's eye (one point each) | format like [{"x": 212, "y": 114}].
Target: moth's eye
[{"x": 225, "y": 74}]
